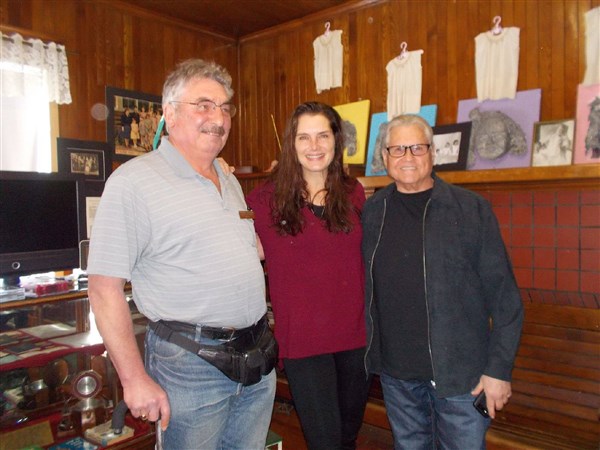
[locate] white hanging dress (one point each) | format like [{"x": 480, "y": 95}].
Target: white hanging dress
[
  {"x": 497, "y": 64},
  {"x": 329, "y": 60},
  {"x": 592, "y": 47},
  {"x": 404, "y": 83}
]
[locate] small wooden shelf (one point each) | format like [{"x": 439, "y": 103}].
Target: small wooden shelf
[{"x": 575, "y": 176}]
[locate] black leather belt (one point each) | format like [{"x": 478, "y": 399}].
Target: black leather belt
[{"x": 216, "y": 333}]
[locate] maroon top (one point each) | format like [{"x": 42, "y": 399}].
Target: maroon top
[{"x": 316, "y": 280}]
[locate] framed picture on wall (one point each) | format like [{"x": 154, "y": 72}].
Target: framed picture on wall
[
  {"x": 451, "y": 146},
  {"x": 132, "y": 122},
  {"x": 88, "y": 158},
  {"x": 587, "y": 135},
  {"x": 553, "y": 143},
  {"x": 501, "y": 130},
  {"x": 355, "y": 122}
]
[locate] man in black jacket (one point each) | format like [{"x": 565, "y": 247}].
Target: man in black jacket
[{"x": 444, "y": 314}]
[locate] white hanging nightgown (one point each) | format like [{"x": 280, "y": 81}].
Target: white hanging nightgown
[
  {"x": 404, "y": 83},
  {"x": 497, "y": 64},
  {"x": 592, "y": 47},
  {"x": 329, "y": 60}
]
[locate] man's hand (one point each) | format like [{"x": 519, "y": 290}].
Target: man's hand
[
  {"x": 148, "y": 401},
  {"x": 497, "y": 393}
]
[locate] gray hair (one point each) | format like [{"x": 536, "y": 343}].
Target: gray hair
[
  {"x": 191, "y": 69},
  {"x": 406, "y": 120}
]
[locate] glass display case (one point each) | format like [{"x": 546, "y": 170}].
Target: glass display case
[{"x": 56, "y": 380}]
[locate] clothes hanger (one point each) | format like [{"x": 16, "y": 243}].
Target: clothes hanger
[
  {"x": 403, "y": 52},
  {"x": 327, "y": 27},
  {"x": 497, "y": 29}
]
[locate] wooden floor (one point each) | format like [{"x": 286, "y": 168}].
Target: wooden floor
[{"x": 285, "y": 423}]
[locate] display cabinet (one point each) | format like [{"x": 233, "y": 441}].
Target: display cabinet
[{"x": 56, "y": 380}]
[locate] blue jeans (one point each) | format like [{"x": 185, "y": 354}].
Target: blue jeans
[
  {"x": 422, "y": 420},
  {"x": 208, "y": 410}
]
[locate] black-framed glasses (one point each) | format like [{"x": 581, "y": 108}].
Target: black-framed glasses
[
  {"x": 398, "y": 151},
  {"x": 204, "y": 106}
]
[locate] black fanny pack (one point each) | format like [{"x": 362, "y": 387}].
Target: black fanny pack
[{"x": 244, "y": 359}]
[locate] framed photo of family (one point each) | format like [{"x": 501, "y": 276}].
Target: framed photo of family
[
  {"x": 133, "y": 119},
  {"x": 553, "y": 143},
  {"x": 86, "y": 158},
  {"x": 451, "y": 143}
]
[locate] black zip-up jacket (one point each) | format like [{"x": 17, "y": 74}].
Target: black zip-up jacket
[{"x": 474, "y": 308}]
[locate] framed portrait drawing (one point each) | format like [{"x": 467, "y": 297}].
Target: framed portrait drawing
[
  {"x": 87, "y": 158},
  {"x": 355, "y": 122},
  {"x": 501, "y": 130},
  {"x": 451, "y": 146},
  {"x": 133, "y": 119},
  {"x": 587, "y": 133},
  {"x": 553, "y": 143}
]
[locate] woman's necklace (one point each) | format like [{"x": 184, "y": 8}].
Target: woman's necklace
[{"x": 317, "y": 210}]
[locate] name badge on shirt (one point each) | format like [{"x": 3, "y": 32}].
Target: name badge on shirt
[{"x": 247, "y": 214}]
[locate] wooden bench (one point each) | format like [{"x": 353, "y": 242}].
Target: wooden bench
[{"x": 556, "y": 384}]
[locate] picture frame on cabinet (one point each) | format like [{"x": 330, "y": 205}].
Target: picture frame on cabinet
[
  {"x": 89, "y": 159},
  {"x": 451, "y": 146},
  {"x": 587, "y": 125},
  {"x": 132, "y": 122},
  {"x": 553, "y": 143}
]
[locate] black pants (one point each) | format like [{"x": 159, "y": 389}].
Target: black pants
[{"x": 330, "y": 393}]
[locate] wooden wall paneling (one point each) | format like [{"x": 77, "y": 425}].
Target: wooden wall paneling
[
  {"x": 451, "y": 49},
  {"x": 248, "y": 83},
  {"x": 129, "y": 58},
  {"x": 582, "y": 7},
  {"x": 283, "y": 76},
  {"x": 558, "y": 66},
  {"x": 434, "y": 27},
  {"x": 307, "y": 88},
  {"x": 545, "y": 59},
  {"x": 572, "y": 54},
  {"x": 466, "y": 18},
  {"x": 265, "y": 102},
  {"x": 349, "y": 92}
]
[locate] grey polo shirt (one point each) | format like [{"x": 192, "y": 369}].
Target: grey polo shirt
[{"x": 188, "y": 254}]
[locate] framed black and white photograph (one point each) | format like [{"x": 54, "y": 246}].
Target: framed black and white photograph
[
  {"x": 451, "y": 146},
  {"x": 133, "y": 119},
  {"x": 87, "y": 158},
  {"x": 553, "y": 143}
]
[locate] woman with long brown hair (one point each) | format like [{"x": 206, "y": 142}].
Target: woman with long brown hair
[{"x": 307, "y": 217}]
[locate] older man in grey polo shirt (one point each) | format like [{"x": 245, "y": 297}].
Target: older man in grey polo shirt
[{"x": 174, "y": 224}]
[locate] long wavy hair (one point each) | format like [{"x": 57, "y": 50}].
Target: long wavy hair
[{"x": 291, "y": 193}]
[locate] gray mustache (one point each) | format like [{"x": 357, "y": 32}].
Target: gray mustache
[{"x": 220, "y": 131}]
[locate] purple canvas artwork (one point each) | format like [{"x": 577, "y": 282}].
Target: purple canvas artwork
[{"x": 524, "y": 110}]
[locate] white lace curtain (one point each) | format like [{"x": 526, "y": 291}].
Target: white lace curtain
[{"x": 30, "y": 64}]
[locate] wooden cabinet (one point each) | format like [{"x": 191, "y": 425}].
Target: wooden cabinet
[{"x": 56, "y": 380}]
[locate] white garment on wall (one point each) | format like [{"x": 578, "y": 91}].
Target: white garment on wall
[
  {"x": 497, "y": 64},
  {"x": 404, "y": 82},
  {"x": 329, "y": 60},
  {"x": 592, "y": 47}
]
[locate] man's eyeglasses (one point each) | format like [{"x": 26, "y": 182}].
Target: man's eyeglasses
[
  {"x": 204, "y": 106},
  {"x": 398, "y": 151}
]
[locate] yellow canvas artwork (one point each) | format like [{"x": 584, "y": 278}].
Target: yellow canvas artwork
[{"x": 355, "y": 118}]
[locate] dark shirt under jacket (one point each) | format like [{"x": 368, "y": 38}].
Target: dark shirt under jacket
[{"x": 400, "y": 289}]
